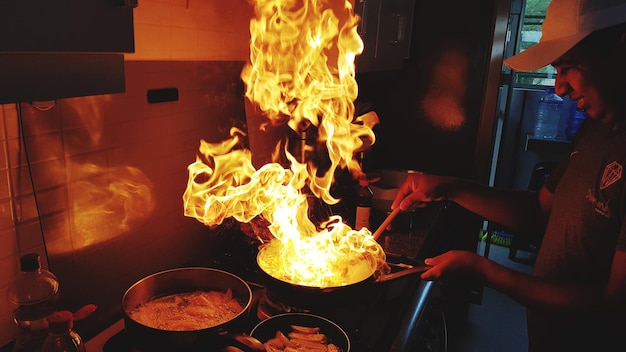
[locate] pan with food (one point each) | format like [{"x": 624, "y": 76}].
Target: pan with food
[
  {"x": 301, "y": 332},
  {"x": 360, "y": 277},
  {"x": 185, "y": 308}
]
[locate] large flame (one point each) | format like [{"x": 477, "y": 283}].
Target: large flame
[{"x": 301, "y": 73}]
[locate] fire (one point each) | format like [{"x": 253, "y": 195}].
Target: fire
[{"x": 301, "y": 73}]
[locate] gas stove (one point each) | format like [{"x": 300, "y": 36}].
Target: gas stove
[
  {"x": 387, "y": 325},
  {"x": 397, "y": 315}
]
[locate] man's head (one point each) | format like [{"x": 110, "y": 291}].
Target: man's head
[{"x": 568, "y": 22}]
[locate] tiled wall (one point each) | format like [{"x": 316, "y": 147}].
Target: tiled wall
[
  {"x": 19, "y": 228},
  {"x": 109, "y": 171},
  {"x": 192, "y": 29}
]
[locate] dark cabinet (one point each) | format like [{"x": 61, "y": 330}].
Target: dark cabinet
[
  {"x": 60, "y": 49},
  {"x": 66, "y": 26},
  {"x": 385, "y": 29}
]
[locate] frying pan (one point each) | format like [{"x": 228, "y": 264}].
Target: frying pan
[{"x": 302, "y": 296}]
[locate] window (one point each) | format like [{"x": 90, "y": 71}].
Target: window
[{"x": 530, "y": 33}]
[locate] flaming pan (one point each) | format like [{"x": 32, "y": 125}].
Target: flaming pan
[
  {"x": 184, "y": 280},
  {"x": 303, "y": 296}
]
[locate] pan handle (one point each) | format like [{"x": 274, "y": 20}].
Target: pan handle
[
  {"x": 241, "y": 343},
  {"x": 414, "y": 270}
]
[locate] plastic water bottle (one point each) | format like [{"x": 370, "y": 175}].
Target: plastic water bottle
[
  {"x": 36, "y": 293},
  {"x": 548, "y": 115},
  {"x": 574, "y": 121}
]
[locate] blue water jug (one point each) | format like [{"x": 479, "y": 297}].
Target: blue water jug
[{"x": 548, "y": 115}]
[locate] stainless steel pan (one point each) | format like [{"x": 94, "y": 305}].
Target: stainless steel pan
[{"x": 184, "y": 280}]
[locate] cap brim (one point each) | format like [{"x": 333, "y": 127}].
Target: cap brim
[{"x": 543, "y": 53}]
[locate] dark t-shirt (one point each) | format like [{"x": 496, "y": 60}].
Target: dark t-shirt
[{"x": 584, "y": 230}]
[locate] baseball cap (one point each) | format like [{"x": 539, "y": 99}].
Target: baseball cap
[{"x": 567, "y": 22}]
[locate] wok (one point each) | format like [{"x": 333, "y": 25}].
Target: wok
[
  {"x": 312, "y": 297},
  {"x": 184, "y": 280}
]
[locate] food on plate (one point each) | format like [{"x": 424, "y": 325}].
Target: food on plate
[
  {"x": 187, "y": 311},
  {"x": 301, "y": 339}
]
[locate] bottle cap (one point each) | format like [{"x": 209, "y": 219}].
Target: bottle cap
[
  {"x": 61, "y": 322},
  {"x": 30, "y": 262}
]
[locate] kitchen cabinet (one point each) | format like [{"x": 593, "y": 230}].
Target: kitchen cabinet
[
  {"x": 61, "y": 49},
  {"x": 385, "y": 29},
  {"x": 66, "y": 26},
  {"x": 28, "y": 77}
]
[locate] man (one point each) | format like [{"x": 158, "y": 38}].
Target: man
[{"x": 576, "y": 295}]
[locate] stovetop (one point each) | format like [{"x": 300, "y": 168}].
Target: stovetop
[
  {"x": 384, "y": 316},
  {"x": 372, "y": 319}
]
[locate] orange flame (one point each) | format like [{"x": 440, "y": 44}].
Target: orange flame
[
  {"x": 302, "y": 70},
  {"x": 301, "y": 73},
  {"x": 233, "y": 188}
]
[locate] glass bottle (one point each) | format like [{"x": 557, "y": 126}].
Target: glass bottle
[
  {"x": 62, "y": 337},
  {"x": 365, "y": 199},
  {"x": 35, "y": 292}
]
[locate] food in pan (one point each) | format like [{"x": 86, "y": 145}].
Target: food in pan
[
  {"x": 301, "y": 339},
  {"x": 187, "y": 311}
]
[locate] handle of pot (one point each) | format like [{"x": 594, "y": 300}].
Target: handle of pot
[
  {"x": 414, "y": 270},
  {"x": 240, "y": 342}
]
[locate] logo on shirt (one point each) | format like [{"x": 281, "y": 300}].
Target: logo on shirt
[{"x": 612, "y": 173}]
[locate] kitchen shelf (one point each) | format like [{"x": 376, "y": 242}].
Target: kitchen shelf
[{"x": 554, "y": 145}]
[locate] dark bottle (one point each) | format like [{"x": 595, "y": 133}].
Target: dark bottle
[
  {"x": 365, "y": 199},
  {"x": 35, "y": 292}
]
